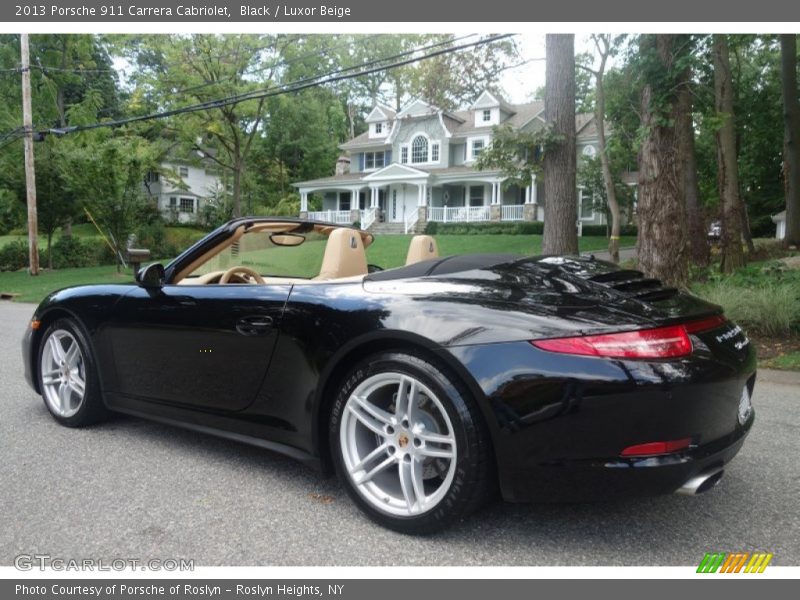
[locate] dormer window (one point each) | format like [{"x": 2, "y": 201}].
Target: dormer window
[
  {"x": 378, "y": 128},
  {"x": 487, "y": 115},
  {"x": 421, "y": 151}
]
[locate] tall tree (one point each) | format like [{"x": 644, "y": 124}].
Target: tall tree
[
  {"x": 662, "y": 241},
  {"x": 560, "y": 185},
  {"x": 698, "y": 244},
  {"x": 181, "y": 70},
  {"x": 727, "y": 167},
  {"x": 604, "y": 45},
  {"x": 791, "y": 125}
]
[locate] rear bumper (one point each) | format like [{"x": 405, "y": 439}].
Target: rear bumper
[
  {"x": 591, "y": 480},
  {"x": 559, "y": 423}
]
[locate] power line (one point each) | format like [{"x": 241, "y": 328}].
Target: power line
[{"x": 333, "y": 77}]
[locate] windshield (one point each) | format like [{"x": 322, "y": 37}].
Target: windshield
[{"x": 255, "y": 250}]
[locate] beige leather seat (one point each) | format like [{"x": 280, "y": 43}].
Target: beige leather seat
[
  {"x": 344, "y": 255},
  {"x": 422, "y": 247}
]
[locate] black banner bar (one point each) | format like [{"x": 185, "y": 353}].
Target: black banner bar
[{"x": 338, "y": 11}]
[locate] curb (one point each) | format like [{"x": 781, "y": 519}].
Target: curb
[{"x": 780, "y": 377}]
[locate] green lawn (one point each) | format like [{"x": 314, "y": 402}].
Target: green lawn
[
  {"x": 787, "y": 362},
  {"x": 386, "y": 251}
]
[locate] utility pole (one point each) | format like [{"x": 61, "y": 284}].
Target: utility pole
[{"x": 30, "y": 173}]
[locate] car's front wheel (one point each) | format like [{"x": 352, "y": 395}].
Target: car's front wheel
[
  {"x": 67, "y": 376},
  {"x": 409, "y": 443}
]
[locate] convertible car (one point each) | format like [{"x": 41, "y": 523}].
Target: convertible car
[{"x": 427, "y": 387}]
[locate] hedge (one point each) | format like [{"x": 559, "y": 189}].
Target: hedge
[{"x": 515, "y": 228}]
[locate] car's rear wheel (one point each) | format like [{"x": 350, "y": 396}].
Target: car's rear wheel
[
  {"x": 67, "y": 377},
  {"x": 409, "y": 443}
]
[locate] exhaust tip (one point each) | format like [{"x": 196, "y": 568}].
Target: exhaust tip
[{"x": 701, "y": 483}]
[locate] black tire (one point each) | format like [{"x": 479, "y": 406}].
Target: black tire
[
  {"x": 91, "y": 409},
  {"x": 473, "y": 481}
]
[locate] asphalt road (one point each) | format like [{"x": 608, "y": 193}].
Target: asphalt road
[{"x": 135, "y": 489}]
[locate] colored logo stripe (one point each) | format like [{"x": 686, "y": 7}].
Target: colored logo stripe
[{"x": 734, "y": 562}]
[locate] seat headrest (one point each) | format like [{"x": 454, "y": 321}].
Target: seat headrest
[
  {"x": 344, "y": 255},
  {"x": 422, "y": 247}
]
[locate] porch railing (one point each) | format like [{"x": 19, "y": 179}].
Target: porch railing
[
  {"x": 411, "y": 220},
  {"x": 512, "y": 212},
  {"x": 368, "y": 217},
  {"x": 459, "y": 214},
  {"x": 340, "y": 217}
]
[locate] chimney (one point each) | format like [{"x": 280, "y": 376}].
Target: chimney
[{"x": 342, "y": 165}]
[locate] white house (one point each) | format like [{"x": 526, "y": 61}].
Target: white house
[
  {"x": 418, "y": 165},
  {"x": 780, "y": 225},
  {"x": 181, "y": 188}
]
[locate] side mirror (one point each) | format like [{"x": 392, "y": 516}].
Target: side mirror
[{"x": 151, "y": 277}]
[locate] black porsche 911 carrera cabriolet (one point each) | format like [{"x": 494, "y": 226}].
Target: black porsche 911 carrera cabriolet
[{"x": 424, "y": 387}]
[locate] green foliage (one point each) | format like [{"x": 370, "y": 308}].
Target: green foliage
[
  {"x": 499, "y": 228},
  {"x": 105, "y": 173},
  {"x": 14, "y": 256},
  {"x": 518, "y": 154},
  {"x": 12, "y": 212},
  {"x": 71, "y": 251},
  {"x": 765, "y": 300},
  {"x": 602, "y": 230}
]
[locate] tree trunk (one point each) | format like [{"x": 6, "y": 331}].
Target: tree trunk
[
  {"x": 698, "y": 242},
  {"x": 50, "y": 250},
  {"x": 727, "y": 168},
  {"x": 237, "y": 184},
  {"x": 608, "y": 180},
  {"x": 662, "y": 243},
  {"x": 560, "y": 183},
  {"x": 791, "y": 137}
]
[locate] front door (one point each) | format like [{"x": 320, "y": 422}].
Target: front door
[{"x": 202, "y": 346}]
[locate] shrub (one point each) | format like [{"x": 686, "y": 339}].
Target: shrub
[
  {"x": 491, "y": 228},
  {"x": 14, "y": 256},
  {"x": 768, "y": 309},
  {"x": 762, "y": 227},
  {"x": 70, "y": 252},
  {"x": 604, "y": 230}
]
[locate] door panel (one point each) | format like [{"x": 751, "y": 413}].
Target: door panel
[{"x": 206, "y": 346}]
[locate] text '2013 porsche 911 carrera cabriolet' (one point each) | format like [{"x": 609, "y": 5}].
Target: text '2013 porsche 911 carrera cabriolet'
[{"x": 425, "y": 387}]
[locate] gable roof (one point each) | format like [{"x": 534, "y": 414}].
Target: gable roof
[
  {"x": 489, "y": 100},
  {"x": 380, "y": 113}
]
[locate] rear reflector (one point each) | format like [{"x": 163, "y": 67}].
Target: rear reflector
[
  {"x": 655, "y": 448},
  {"x": 661, "y": 342}
]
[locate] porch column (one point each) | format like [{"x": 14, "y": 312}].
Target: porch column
[
  {"x": 533, "y": 190},
  {"x": 499, "y": 192},
  {"x": 373, "y": 197},
  {"x": 303, "y": 201},
  {"x": 424, "y": 198},
  {"x": 528, "y": 195}
]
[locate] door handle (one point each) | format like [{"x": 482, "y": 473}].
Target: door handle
[{"x": 254, "y": 325}]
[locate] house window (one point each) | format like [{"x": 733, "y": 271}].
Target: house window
[
  {"x": 587, "y": 205},
  {"x": 151, "y": 177},
  {"x": 419, "y": 149},
  {"x": 477, "y": 148},
  {"x": 487, "y": 115},
  {"x": 344, "y": 201},
  {"x": 404, "y": 155},
  {"x": 476, "y": 195},
  {"x": 184, "y": 171},
  {"x": 435, "y": 152},
  {"x": 173, "y": 202},
  {"x": 187, "y": 205},
  {"x": 378, "y": 127},
  {"x": 374, "y": 160}
]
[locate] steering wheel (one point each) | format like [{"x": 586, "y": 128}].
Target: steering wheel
[{"x": 241, "y": 270}]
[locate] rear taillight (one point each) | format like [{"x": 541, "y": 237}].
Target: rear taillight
[
  {"x": 661, "y": 342},
  {"x": 656, "y": 448}
]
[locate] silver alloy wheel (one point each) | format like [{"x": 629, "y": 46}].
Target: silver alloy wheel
[
  {"x": 398, "y": 444},
  {"x": 63, "y": 373}
]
